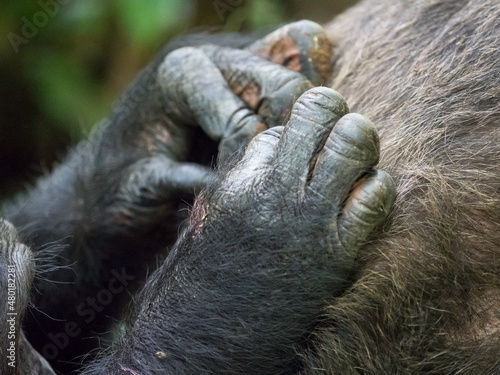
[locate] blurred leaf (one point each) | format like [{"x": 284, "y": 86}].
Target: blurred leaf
[
  {"x": 266, "y": 12},
  {"x": 256, "y": 14},
  {"x": 83, "y": 18},
  {"x": 145, "y": 21},
  {"x": 65, "y": 90}
]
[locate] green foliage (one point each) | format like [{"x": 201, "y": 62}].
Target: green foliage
[
  {"x": 263, "y": 13},
  {"x": 255, "y": 14},
  {"x": 65, "y": 90},
  {"x": 145, "y": 22}
]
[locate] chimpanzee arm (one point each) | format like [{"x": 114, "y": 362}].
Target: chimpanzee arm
[
  {"x": 113, "y": 204},
  {"x": 265, "y": 249}
]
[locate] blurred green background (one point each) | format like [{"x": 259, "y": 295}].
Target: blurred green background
[{"x": 63, "y": 63}]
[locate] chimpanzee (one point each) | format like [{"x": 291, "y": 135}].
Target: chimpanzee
[
  {"x": 275, "y": 271},
  {"x": 98, "y": 222}
]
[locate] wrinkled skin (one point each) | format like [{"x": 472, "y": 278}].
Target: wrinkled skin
[
  {"x": 16, "y": 263},
  {"x": 121, "y": 194},
  {"x": 222, "y": 301},
  {"x": 423, "y": 297}
]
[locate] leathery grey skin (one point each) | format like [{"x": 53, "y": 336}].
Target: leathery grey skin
[
  {"x": 17, "y": 271},
  {"x": 265, "y": 248},
  {"x": 425, "y": 297},
  {"x": 116, "y": 202},
  {"x": 301, "y": 46},
  {"x": 233, "y": 94}
]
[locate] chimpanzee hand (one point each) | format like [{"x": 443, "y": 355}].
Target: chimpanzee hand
[
  {"x": 130, "y": 177},
  {"x": 113, "y": 205},
  {"x": 265, "y": 250},
  {"x": 233, "y": 94}
]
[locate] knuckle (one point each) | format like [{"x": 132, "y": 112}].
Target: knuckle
[
  {"x": 182, "y": 54},
  {"x": 179, "y": 61},
  {"x": 308, "y": 27},
  {"x": 293, "y": 82},
  {"x": 355, "y": 137},
  {"x": 374, "y": 196},
  {"x": 322, "y": 98},
  {"x": 271, "y": 135}
]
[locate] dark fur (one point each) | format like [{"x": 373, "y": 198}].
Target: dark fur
[
  {"x": 426, "y": 299},
  {"x": 96, "y": 225},
  {"x": 236, "y": 295}
]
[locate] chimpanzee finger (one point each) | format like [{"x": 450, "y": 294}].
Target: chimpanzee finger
[
  {"x": 313, "y": 117},
  {"x": 252, "y": 171},
  {"x": 366, "y": 208},
  {"x": 154, "y": 180},
  {"x": 351, "y": 149},
  {"x": 196, "y": 93},
  {"x": 200, "y": 86},
  {"x": 259, "y": 154},
  {"x": 151, "y": 186},
  {"x": 301, "y": 46},
  {"x": 268, "y": 88}
]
